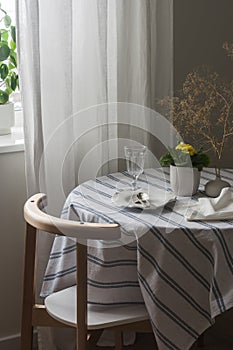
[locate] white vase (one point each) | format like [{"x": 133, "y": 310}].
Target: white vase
[
  {"x": 184, "y": 180},
  {"x": 7, "y": 118}
]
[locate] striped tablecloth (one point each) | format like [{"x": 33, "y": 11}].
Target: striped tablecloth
[{"x": 181, "y": 270}]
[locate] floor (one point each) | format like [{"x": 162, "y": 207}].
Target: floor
[
  {"x": 212, "y": 342},
  {"x": 146, "y": 341}
]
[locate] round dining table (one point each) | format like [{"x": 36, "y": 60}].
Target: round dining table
[{"x": 181, "y": 270}]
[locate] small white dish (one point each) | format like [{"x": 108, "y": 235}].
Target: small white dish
[{"x": 157, "y": 199}]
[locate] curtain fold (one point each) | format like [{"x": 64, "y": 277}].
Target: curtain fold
[
  {"x": 145, "y": 62},
  {"x": 28, "y": 49},
  {"x": 77, "y": 58}
]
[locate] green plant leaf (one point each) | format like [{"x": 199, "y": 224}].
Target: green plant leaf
[
  {"x": 8, "y": 58},
  {"x": 13, "y": 45},
  {"x": 166, "y": 160},
  {"x": 8, "y": 89},
  {"x": 7, "y": 21},
  {"x": 13, "y": 33},
  {"x": 4, "y": 52},
  {"x": 4, "y": 97},
  {"x": 200, "y": 160},
  {"x": 11, "y": 66},
  {"x": 4, "y": 35},
  {"x": 13, "y": 58},
  {"x": 3, "y": 43},
  {"x": 3, "y": 71},
  {"x": 14, "y": 80}
]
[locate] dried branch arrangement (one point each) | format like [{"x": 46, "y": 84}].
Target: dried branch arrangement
[
  {"x": 203, "y": 113},
  {"x": 229, "y": 49}
]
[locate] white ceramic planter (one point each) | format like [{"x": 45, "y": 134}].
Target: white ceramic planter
[
  {"x": 184, "y": 180},
  {"x": 7, "y": 118}
]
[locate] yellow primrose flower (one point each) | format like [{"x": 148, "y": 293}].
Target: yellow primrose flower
[{"x": 186, "y": 148}]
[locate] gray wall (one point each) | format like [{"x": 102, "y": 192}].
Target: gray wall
[
  {"x": 13, "y": 195},
  {"x": 200, "y": 29}
]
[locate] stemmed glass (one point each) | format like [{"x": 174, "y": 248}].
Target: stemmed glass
[{"x": 135, "y": 157}]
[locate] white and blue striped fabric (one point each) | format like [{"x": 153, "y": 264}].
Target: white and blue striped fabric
[{"x": 182, "y": 271}]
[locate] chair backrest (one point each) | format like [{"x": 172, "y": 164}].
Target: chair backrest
[
  {"x": 36, "y": 219},
  {"x": 34, "y": 216}
]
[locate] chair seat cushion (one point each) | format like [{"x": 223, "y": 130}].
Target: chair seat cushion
[{"x": 62, "y": 307}]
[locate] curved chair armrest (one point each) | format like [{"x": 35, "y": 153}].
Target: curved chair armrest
[{"x": 80, "y": 230}]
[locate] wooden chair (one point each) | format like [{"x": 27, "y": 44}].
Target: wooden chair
[{"x": 68, "y": 307}]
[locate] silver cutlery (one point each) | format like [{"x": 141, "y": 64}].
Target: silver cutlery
[{"x": 141, "y": 198}]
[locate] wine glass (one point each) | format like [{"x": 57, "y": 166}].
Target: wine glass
[{"x": 135, "y": 157}]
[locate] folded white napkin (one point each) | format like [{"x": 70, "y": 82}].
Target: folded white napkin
[{"x": 219, "y": 208}]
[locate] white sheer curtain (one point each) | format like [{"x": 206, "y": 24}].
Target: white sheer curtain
[
  {"x": 67, "y": 62},
  {"x": 73, "y": 56}
]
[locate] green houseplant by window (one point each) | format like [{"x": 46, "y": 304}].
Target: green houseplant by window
[{"x": 9, "y": 81}]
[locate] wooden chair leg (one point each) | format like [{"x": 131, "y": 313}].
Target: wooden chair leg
[
  {"x": 28, "y": 289},
  {"x": 92, "y": 339},
  {"x": 81, "y": 277},
  {"x": 118, "y": 340}
]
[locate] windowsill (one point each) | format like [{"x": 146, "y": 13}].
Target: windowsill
[{"x": 13, "y": 142}]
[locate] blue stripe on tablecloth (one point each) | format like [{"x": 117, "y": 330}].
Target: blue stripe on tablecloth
[
  {"x": 170, "y": 313},
  {"x": 124, "y": 182},
  {"x": 173, "y": 284},
  {"x": 104, "y": 194},
  {"x": 88, "y": 209},
  {"x": 62, "y": 252},
  {"x": 224, "y": 246},
  {"x": 65, "y": 210},
  {"x": 60, "y": 273},
  {"x": 116, "y": 179},
  {"x": 116, "y": 303},
  {"x": 112, "y": 285},
  {"x": 128, "y": 247},
  {"x": 181, "y": 259},
  {"x": 163, "y": 179},
  {"x": 226, "y": 253},
  {"x": 158, "y": 234},
  {"x": 93, "y": 260},
  {"x": 189, "y": 234},
  {"x": 170, "y": 345},
  {"x": 112, "y": 263},
  {"x": 106, "y": 184},
  {"x": 103, "y": 216},
  {"x": 218, "y": 296},
  {"x": 216, "y": 289}
]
